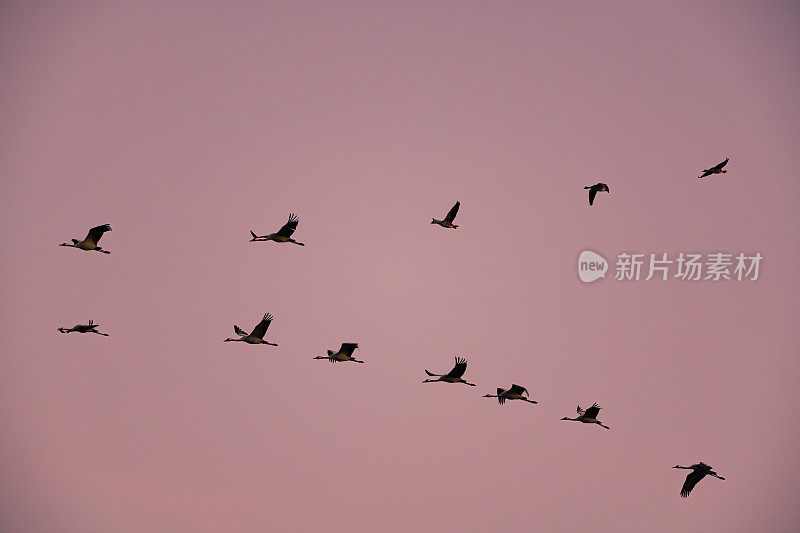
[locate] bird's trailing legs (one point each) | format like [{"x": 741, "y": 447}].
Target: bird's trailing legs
[{"x": 98, "y": 249}]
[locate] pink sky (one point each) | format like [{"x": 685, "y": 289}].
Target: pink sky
[{"x": 184, "y": 125}]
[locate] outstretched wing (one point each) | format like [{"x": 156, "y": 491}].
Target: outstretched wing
[
  {"x": 262, "y": 326},
  {"x": 96, "y": 232},
  {"x": 451, "y": 215},
  {"x": 592, "y": 194},
  {"x": 593, "y": 411},
  {"x": 719, "y": 166},
  {"x": 459, "y": 369},
  {"x": 348, "y": 348},
  {"x": 691, "y": 480},
  {"x": 289, "y": 227},
  {"x": 518, "y": 389},
  {"x": 500, "y": 398},
  {"x": 239, "y": 331}
]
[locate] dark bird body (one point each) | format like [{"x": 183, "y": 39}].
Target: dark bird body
[
  {"x": 588, "y": 416},
  {"x": 716, "y": 169},
  {"x": 594, "y": 189},
  {"x": 91, "y": 327},
  {"x": 90, "y": 242},
  {"x": 515, "y": 392},
  {"x": 454, "y": 376},
  {"x": 698, "y": 472},
  {"x": 448, "y": 220},
  {"x": 345, "y": 353},
  {"x": 282, "y": 235},
  {"x": 257, "y": 335}
]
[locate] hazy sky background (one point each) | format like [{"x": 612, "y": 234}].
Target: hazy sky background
[{"x": 185, "y": 124}]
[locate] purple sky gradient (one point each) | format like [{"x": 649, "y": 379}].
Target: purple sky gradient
[{"x": 185, "y": 125}]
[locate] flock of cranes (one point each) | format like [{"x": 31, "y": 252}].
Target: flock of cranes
[{"x": 347, "y": 349}]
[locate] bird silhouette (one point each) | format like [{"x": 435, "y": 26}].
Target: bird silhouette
[
  {"x": 716, "y": 169},
  {"x": 448, "y": 220},
  {"x": 594, "y": 189},
  {"x": 454, "y": 376},
  {"x": 282, "y": 235},
  {"x": 91, "y": 327},
  {"x": 90, "y": 242},
  {"x": 515, "y": 392},
  {"x": 345, "y": 353},
  {"x": 588, "y": 416},
  {"x": 257, "y": 335},
  {"x": 698, "y": 472}
]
